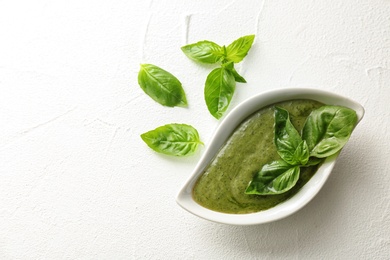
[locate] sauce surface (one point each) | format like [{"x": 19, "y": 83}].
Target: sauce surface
[{"x": 222, "y": 185}]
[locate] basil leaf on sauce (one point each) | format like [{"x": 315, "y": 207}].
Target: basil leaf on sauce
[
  {"x": 313, "y": 161},
  {"x": 219, "y": 89},
  {"x": 173, "y": 139},
  {"x": 274, "y": 178},
  {"x": 325, "y": 132},
  {"x": 328, "y": 129},
  {"x": 204, "y": 51},
  {"x": 161, "y": 86},
  {"x": 237, "y": 50},
  {"x": 289, "y": 144}
]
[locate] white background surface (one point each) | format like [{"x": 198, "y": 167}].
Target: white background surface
[{"x": 77, "y": 182}]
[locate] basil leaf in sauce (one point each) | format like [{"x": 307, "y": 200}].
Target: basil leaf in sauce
[
  {"x": 161, "y": 86},
  {"x": 328, "y": 129},
  {"x": 173, "y": 139},
  {"x": 219, "y": 90},
  {"x": 313, "y": 161},
  {"x": 274, "y": 178},
  {"x": 204, "y": 51},
  {"x": 288, "y": 141},
  {"x": 237, "y": 50}
]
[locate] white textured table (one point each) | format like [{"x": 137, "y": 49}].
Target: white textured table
[{"x": 76, "y": 180}]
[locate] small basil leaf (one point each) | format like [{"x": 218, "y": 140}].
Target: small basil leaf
[
  {"x": 237, "y": 77},
  {"x": 218, "y": 91},
  {"x": 288, "y": 142},
  {"x": 204, "y": 51},
  {"x": 327, "y": 129},
  {"x": 237, "y": 50},
  {"x": 274, "y": 178},
  {"x": 173, "y": 139},
  {"x": 301, "y": 154},
  {"x": 161, "y": 86}
]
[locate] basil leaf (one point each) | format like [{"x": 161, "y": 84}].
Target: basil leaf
[
  {"x": 237, "y": 77},
  {"x": 274, "y": 178},
  {"x": 204, "y": 51},
  {"x": 173, "y": 139},
  {"x": 237, "y": 50},
  {"x": 313, "y": 161},
  {"x": 161, "y": 86},
  {"x": 327, "y": 129},
  {"x": 218, "y": 91},
  {"x": 289, "y": 143}
]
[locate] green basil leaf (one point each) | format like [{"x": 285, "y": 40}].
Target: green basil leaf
[
  {"x": 327, "y": 129},
  {"x": 237, "y": 77},
  {"x": 313, "y": 161},
  {"x": 204, "y": 51},
  {"x": 237, "y": 50},
  {"x": 219, "y": 90},
  {"x": 161, "y": 86},
  {"x": 173, "y": 139},
  {"x": 274, "y": 178},
  {"x": 289, "y": 143}
]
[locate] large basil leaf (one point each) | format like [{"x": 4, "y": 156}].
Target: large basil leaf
[
  {"x": 161, "y": 86},
  {"x": 289, "y": 143},
  {"x": 173, "y": 139},
  {"x": 204, "y": 51},
  {"x": 327, "y": 129},
  {"x": 218, "y": 91},
  {"x": 274, "y": 178},
  {"x": 237, "y": 50}
]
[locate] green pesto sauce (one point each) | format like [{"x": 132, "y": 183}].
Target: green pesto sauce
[{"x": 222, "y": 186}]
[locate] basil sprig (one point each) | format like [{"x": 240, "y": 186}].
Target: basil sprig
[
  {"x": 161, "y": 86},
  {"x": 220, "y": 83},
  {"x": 326, "y": 130},
  {"x": 173, "y": 139}
]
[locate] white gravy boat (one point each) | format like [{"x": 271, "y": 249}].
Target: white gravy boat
[{"x": 226, "y": 128}]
